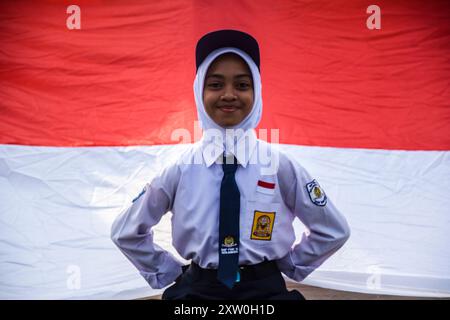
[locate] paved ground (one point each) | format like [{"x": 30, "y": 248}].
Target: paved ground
[{"x": 315, "y": 293}]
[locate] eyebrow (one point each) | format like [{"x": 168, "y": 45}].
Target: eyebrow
[{"x": 217, "y": 75}]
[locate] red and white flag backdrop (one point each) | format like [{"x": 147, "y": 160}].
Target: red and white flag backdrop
[{"x": 87, "y": 116}]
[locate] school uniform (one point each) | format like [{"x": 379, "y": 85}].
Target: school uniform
[{"x": 270, "y": 194}]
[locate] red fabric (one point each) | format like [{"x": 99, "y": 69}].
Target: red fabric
[
  {"x": 126, "y": 77},
  {"x": 265, "y": 184}
]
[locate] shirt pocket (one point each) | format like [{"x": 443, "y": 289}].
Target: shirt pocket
[{"x": 260, "y": 222}]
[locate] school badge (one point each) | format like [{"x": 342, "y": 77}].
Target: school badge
[
  {"x": 316, "y": 193},
  {"x": 229, "y": 246},
  {"x": 262, "y": 225}
]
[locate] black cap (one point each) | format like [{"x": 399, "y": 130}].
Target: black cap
[{"x": 226, "y": 38}]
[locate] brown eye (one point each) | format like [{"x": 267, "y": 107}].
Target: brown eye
[
  {"x": 243, "y": 86},
  {"x": 214, "y": 85}
]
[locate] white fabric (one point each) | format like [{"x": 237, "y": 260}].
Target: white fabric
[
  {"x": 57, "y": 206},
  {"x": 191, "y": 190}
]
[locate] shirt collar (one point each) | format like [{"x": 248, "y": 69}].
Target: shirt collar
[{"x": 212, "y": 148}]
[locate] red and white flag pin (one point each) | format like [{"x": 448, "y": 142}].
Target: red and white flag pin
[{"x": 265, "y": 187}]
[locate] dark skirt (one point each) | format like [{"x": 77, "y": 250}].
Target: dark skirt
[{"x": 257, "y": 282}]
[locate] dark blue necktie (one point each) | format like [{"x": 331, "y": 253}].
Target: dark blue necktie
[{"x": 229, "y": 225}]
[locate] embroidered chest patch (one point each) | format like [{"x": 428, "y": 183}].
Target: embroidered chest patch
[
  {"x": 262, "y": 225},
  {"x": 265, "y": 187},
  {"x": 316, "y": 193}
]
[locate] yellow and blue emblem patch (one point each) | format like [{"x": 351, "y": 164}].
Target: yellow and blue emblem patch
[
  {"x": 229, "y": 246},
  {"x": 316, "y": 193}
]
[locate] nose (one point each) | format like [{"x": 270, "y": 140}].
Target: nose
[{"x": 228, "y": 96}]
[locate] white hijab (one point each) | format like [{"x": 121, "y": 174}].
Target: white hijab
[{"x": 206, "y": 123}]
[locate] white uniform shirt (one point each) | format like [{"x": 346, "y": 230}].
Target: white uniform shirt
[{"x": 191, "y": 192}]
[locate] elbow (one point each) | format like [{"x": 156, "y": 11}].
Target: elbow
[
  {"x": 115, "y": 234},
  {"x": 344, "y": 233},
  {"x": 114, "y": 238}
]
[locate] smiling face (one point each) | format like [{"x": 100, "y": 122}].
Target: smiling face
[{"x": 228, "y": 91}]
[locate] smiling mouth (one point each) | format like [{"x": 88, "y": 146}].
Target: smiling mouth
[{"x": 228, "y": 109}]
